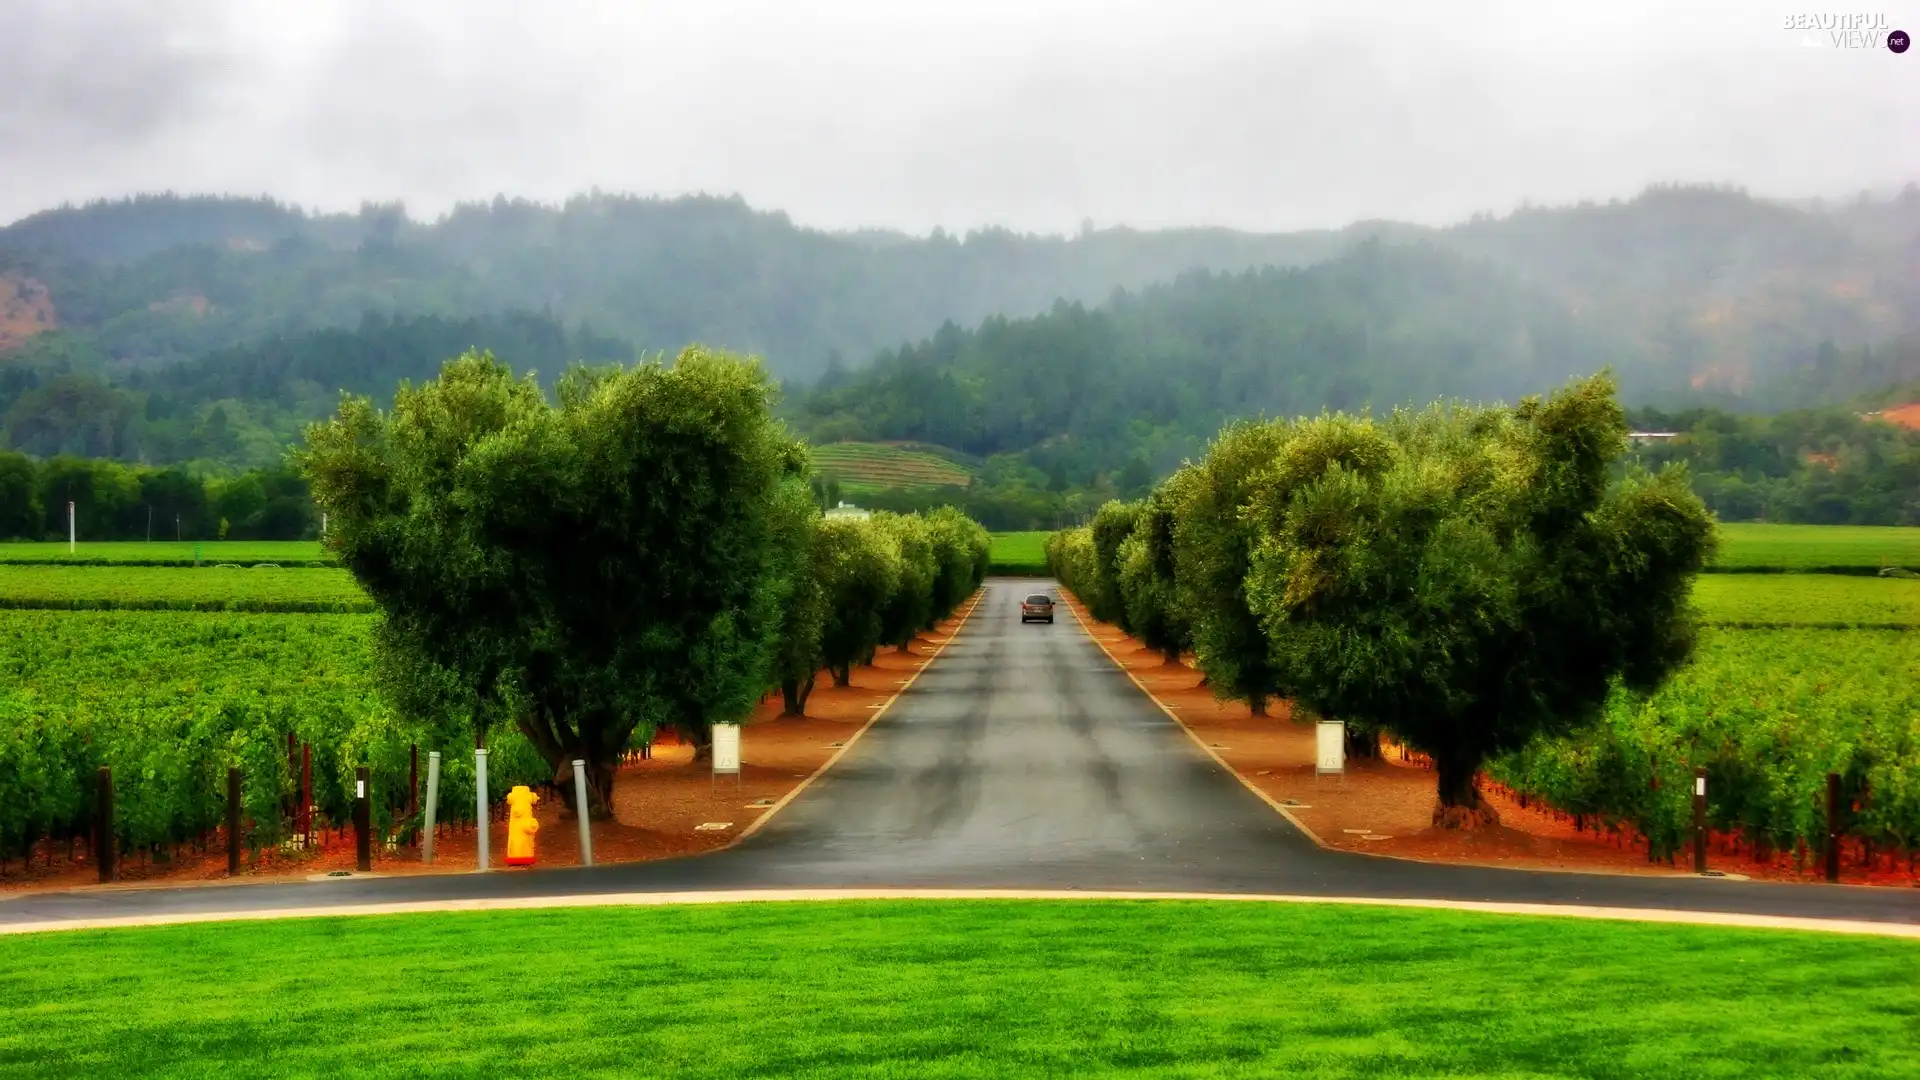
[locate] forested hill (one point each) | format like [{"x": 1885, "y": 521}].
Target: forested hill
[
  {"x": 1157, "y": 372},
  {"x": 243, "y": 406},
  {"x": 159, "y": 280},
  {"x": 1711, "y": 285}
]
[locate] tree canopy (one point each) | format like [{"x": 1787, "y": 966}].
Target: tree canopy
[
  {"x": 578, "y": 569},
  {"x": 1466, "y": 579}
]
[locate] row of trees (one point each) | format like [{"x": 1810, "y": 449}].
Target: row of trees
[
  {"x": 644, "y": 553},
  {"x": 113, "y": 501},
  {"x": 1461, "y": 579}
]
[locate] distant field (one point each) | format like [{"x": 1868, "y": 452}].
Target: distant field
[
  {"x": 1020, "y": 552},
  {"x": 169, "y": 552},
  {"x": 1749, "y": 546},
  {"x": 169, "y": 588},
  {"x": 874, "y": 466},
  {"x": 1813, "y": 600}
]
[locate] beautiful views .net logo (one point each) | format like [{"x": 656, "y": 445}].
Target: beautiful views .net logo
[{"x": 1851, "y": 30}]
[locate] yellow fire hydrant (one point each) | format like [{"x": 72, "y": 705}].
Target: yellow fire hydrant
[{"x": 521, "y": 826}]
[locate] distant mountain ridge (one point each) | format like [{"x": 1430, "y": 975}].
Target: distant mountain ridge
[{"x": 1720, "y": 289}]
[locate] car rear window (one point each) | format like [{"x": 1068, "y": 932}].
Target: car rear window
[{"x": 1039, "y": 598}]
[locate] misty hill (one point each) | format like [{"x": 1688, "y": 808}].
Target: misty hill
[
  {"x": 157, "y": 280},
  {"x": 1713, "y": 287},
  {"x": 245, "y": 405},
  {"x": 1155, "y": 373}
]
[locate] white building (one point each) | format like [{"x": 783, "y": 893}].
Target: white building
[{"x": 848, "y": 510}]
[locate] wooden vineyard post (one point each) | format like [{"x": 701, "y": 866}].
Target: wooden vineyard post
[
  {"x": 294, "y": 807},
  {"x": 306, "y": 797},
  {"x": 233, "y": 822},
  {"x": 106, "y": 849},
  {"x": 1699, "y": 821},
  {"x": 413, "y": 787},
  {"x": 362, "y": 823},
  {"x": 1833, "y": 826}
]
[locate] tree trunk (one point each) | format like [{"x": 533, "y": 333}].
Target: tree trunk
[
  {"x": 1258, "y": 704},
  {"x": 794, "y": 694},
  {"x": 1362, "y": 744},
  {"x": 600, "y": 778},
  {"x": 1172, "y": 655},
  {"x": 1459, "y": 805},
  {"x": 906, "y": 646},
  {"x": 843, "y": 675}
]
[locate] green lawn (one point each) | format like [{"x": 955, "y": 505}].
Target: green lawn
[
  {"x": 1747, "y": 545},
  {"x": 169, "y": 551},
  {"x": 1830, "y": 600},
  {"x": 1020, "y": 552},
  {"x": 950, "y": 989}
]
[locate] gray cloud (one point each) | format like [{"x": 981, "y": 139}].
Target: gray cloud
[{"x": 1030, "y": 114}]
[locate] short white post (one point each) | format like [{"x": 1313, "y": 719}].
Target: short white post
[
  {"x": 433, "y": 802},
  {"x": 580, "y": 809},
  {"x": 70, "y": 529},
  {"x": 323, "y": 524},
  {"x": 480, "y": 800}
]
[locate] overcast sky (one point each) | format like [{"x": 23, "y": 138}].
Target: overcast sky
[{"x": 1035, "y": 114}]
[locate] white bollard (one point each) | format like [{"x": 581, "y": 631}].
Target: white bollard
[
  {"x": 580, "y": 810},
  {"x": 480, "y": 799},
  {"x": 433, "y": 802}
]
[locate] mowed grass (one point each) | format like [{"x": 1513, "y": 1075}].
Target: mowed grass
[
  {"x": 1020, "y": 552},
  {"x": 864, "y": 467},
  {"x": 957, "y": 989},
  {"x": 1818, "y": 600},
  {"x": 179, "y": 588},
  {"x": 169, "y": 551},
  {"x": 1749, "y": 545}
]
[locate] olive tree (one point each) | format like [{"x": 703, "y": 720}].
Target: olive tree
[
  {"x": 858, "y": 567},
  {"x": 1147, "y": 574},
  {"x": 910, "y": 608},
  {"x": 1111, "y": 526},
  {"x": 1468, "y": 579},
  {"x": 1213, "y": 549},
  {"x": 577, "y": 568},
  {"x": 797, "y": 654}
]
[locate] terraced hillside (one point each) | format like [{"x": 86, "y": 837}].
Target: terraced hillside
[{"x": 862, "y": 466}]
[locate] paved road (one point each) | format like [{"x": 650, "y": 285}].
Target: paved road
[{"x": 1023, "y": 758}]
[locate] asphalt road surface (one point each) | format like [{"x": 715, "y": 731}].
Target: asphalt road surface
[{"x": 1022, "y": 758}]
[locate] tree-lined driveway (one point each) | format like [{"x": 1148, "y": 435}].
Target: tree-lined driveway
[{"x": 1022, "y": 758}]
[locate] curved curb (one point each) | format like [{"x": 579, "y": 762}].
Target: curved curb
[
  {"x": 755, "y": 825},
  {"x": 762, "y": 896},
  {"x": 1204, "y": 748}
]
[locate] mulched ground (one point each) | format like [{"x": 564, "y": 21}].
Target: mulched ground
[{"x": 658, "y": 802}]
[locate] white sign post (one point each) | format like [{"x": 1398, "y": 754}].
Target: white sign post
[
  {"x": 726, "y": 752},
  {"x": 70, "y": 530},
  {"x": 1330, "y": 749}
]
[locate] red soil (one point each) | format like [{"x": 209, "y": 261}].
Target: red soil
[
  {"x": 1385, "y": 806},
  {"x": 1907, "y": 416},
  {"x": 658, "y": 802}
]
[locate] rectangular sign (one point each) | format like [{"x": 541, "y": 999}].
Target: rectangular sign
[
  {"x": 726, "y": 748},
  {"x": 1330, "y": 746}
]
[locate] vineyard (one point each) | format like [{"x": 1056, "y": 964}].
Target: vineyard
[
  {"x": 874, "y": 466},
  {"x": 209, "y": 588},
  {"x": 169, "y": 700},
  {"x": 1748, "y": 547},
  {"x": 1768, "y": 714},
  {"x": 1832, "y": 601}
]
